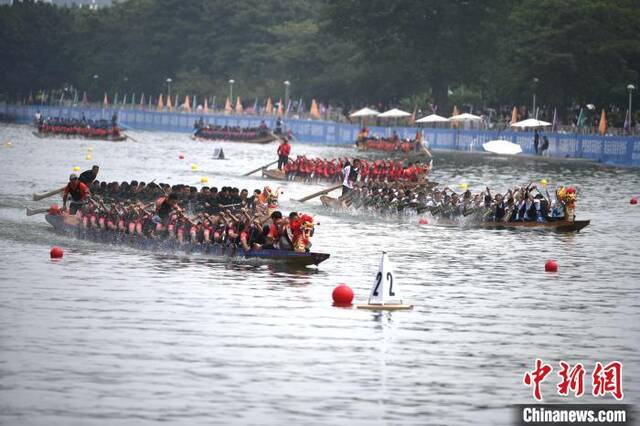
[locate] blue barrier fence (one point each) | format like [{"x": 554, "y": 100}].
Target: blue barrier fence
[{"x": 624, "y": 151}]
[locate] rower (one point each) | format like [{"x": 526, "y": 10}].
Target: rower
[
  {"x": 349, "y": 176},
  {"x": 164, "y": 206},
  {"x": 88, "y": 176},
  {"x": 283, "y": 153},
  {"x": 79, "y": 194}
]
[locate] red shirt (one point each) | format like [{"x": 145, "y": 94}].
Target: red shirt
[
  {"x": 81, "y": 192},
  {"x": 284, "y": 149}
]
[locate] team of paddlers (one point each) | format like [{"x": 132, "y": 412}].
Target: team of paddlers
[
  {"x": 304, "y": 168},
  {"x": 391, "y": 144},
  {"x": 82, "y": 127},
  {"x": 526, "y": 203},
  {"x": 229, "y": 216},
  {"x": 231, "y": 133}
]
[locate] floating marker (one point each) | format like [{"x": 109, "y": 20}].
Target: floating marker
[
  {"x": 204, "y": 179},
  {"x": 543, "y": 182},
  {"x": 88, "y": 157},
  {"x": 423, "y": 221},
  {"x": 56, "y": 252},
  {"x": 8, "y": 144},
  {"x": 181, "y": 156},
  {"x": 90, "y": 149},
  {"x": 194, "y": 167},
  {"x": 218, "y": 154},
  {"x": 342, "y": 295},
  {"x": 633, "y": 201},
  {"x": 464, "y": 186},
  {"x": 551, "y": 266},
  {"x": 76, "y": 169},
  {"x": 384, "y": 293}
]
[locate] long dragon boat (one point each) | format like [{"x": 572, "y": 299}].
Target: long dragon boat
[
  {"x": 208, "y": 135},
  {"x": 560, "y": 225},
  {"x": 119, "y": 137},
  {"x": 68, "y": 225}
]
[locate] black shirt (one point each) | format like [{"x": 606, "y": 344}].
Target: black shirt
[{"x": 87, "y": 177}]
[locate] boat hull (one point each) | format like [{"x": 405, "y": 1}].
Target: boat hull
[
  {"x": 262, "y": 140},
  {"x": 66, "y": 136},
  {"x": 65, "y": 225}
]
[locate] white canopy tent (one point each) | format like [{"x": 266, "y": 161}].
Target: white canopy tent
[
  {"x": 394, "y": 113},
  {"x": 433, "y": 118},
  {"x": 501, "y": 146},
  {"x": 465, "y": 117},
  {"x": 531, "y": 122},
  {"x": 365, "y": 112}
]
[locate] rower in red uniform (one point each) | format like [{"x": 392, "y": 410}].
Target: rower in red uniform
[
  {"x": 283, "y": 153},
  {"x": 79, "y": 194}
]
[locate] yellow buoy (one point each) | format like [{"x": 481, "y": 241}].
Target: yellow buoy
[
  {"x": 76, "y": 169},
  {"x": 88, "y": 157},
  {"x": 8, "y": 144},
  {"x": 464, "y": 186},
  {"x": 90, "y": 149},
  {"x": 194, "y": 167},
  {"x": 204, "y": 179},
  {"x": 544, "y": 182}
]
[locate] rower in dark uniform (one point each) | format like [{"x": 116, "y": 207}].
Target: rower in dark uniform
[
  {"x": 88, "y": 176},
  {"x": 79, "y": 193},
  {"x": 164, "y": 206}
]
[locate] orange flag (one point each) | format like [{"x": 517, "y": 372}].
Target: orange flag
[
  {"x": 105, "y": 101},
  {"x": 412, "y": 119},
  {"x": 239, "y": 108},
  {"x": 280, "y": 109},
  {"x": 169, "y": 104},
  {"x": 227, "y": 106},
  {"x": 454, "y": 113},
  {"x": 514, "y": 115},
  {"x": 206, "y": 106},
  {"x": 160, "y": 103},
  {"x": 186, "y": 105},
  {"x": 269, "y": 108},
  {"x": 315, "y": 111},
  {"x": 603, "y": 123}
]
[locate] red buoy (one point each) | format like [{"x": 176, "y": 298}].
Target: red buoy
[
  {"x": 551, "y": 266},
  {"x": 181, "y": 156},
  {"x": 634, "y": 200},
  {"x": 342, "y": 295},
  {"x": 54, "y": 209},
  {"x": 423, "y": 221},
  {"x": 56, "y": 252}
]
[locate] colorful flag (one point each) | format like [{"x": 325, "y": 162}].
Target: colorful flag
[
  {"x": 169, "y": 103},
  {"x": 213, "y": 103},
  {"x": 280, "y": 109},
  {"x": 227, "y": 106},
  {"x": 627, "y": 122},
  {"x": 314, "y": 112},
  {"x": 603, "y": 123},
  {"x": 412, "y": 119},
  {"x": 206, "y": 106},
  {"x": 554, "y": 123},
  {"x": 142, "y": 99},
  {"x": 514, "y": 115},
  {"x": 160, "y": 103},
  {"x": 239, "y": 108},
  {"x": 105, "y": 101},
  {"x": 186, "y": 105},
  {"x": 195, "y": 102},
  {"x": 84, "y": 98},
  {"x": 581, "y": 119},
  {"x": 269, "y": 107},
  {"x": 255, "y": 106}
]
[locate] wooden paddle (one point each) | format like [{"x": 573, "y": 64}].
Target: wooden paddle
[
  {"x": 260, "y": 168},
  {"x": 323, "y": 192},
  {"x": 133, "y": 139},
  {"x": 38, "y": 197},
  {"x": 31, "y": 212}
]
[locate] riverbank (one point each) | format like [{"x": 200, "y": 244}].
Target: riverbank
[{"x": 616, "y": 150}]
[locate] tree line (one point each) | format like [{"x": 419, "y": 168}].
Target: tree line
[{"x": 424, "y": 53}]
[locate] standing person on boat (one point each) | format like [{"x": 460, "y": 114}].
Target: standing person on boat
[
  {"x": 79, "y": 194},
  {"x": 536, "y": 141},
  {"x": 283, "y": 153},
  {"x": 545, "y": 145},
  {"x": 349, "y": 176},
  {"x": 278, "y": 130},
  {"x": 88, "y": 176}
]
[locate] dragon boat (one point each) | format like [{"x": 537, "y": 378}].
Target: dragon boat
[
  {"x": 208, "y": 135},
  {"x": 558, "y": 225},
  {"x": 119, "y": 137},
  {"x": 68, "y": 225}
]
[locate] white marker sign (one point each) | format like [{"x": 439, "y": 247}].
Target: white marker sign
[{"x": 385, "y": 289}]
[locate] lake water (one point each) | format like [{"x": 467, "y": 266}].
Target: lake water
[{"x": 111, "y": 335}]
